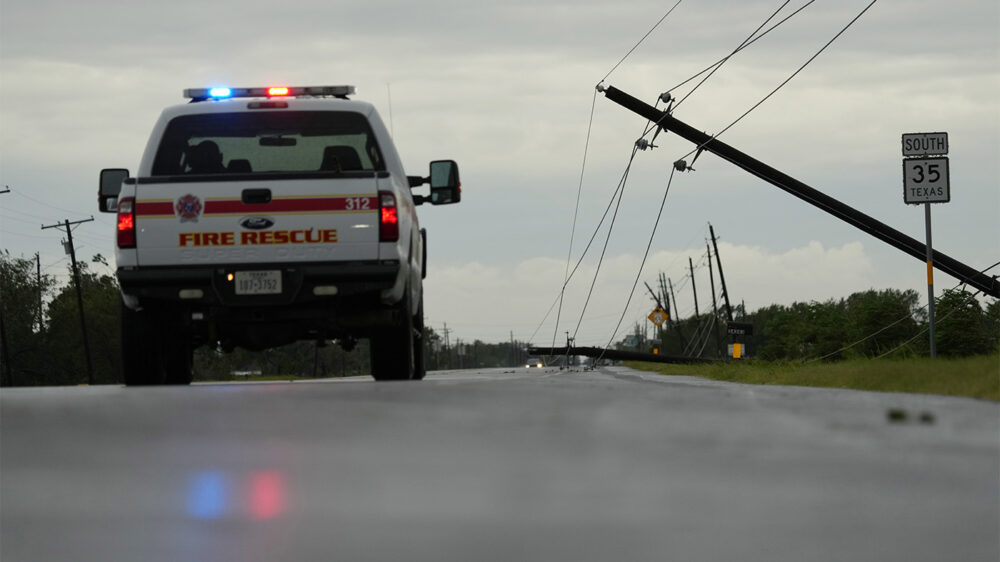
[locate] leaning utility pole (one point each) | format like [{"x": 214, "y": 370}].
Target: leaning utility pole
[
  {"x": 693, "y": 288},
  {"x": 722, "y": 277},
  {"x": 715, "y": 305},
  {"x": 880, "y": 230},
  {"x": 79, "y": 292},
  {"x": 673, "y": 297}
]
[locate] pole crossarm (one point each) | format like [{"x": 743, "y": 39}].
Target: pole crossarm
[{"x": 846, "y": 213}]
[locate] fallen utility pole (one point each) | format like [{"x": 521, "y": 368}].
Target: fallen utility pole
[
  {"x": 615, "y": 354},
  {"x": 880, "y": 230}
]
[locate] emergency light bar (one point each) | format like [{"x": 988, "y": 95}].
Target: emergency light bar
[{"x": 202, "y": 94}]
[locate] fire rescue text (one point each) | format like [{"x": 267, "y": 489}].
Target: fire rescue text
[{"x": 198, "y": 239}]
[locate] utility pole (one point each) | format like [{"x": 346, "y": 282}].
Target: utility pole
[
  {"x": 447, "y": 344},
  {"x": 4, "y": 350},
  {"x": 693, "y": 288},
  {"x": 38, "y": 281},
  {"x": 79, "y": 292},
  {"x": 513, "y": 352},
  {"x": 673, "y": 297},
  {"x": 715, "y": 306},
  {"x": 722, "y": 278}
]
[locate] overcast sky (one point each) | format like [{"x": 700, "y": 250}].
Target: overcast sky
[{"x": 506, "y": 90}]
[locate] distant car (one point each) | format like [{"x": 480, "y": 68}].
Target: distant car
[{"x": 533, "y": 362}]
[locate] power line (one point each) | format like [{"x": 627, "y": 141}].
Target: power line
[
  {"x": 924, "y": 331},
  {"x": 587, "y": 248},
  {"x": 743, "y": 46},
  {"x": 786, "y": 81},
  {"x": 905, "y": 317},
  {"x": 611, "y": 227},
  {"x": 638, "y": 274},
  {"x": 719, "y": 64},
  {"x": 634, "y": 47},
  {"x": 45, "y": 204},
  {"x": 576, "y": 210}
]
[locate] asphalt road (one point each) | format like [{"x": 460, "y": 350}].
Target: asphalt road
[{"x": 494, "y": 465}]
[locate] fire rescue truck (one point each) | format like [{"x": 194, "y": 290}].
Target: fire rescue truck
[{"x": 263, "y": 216}]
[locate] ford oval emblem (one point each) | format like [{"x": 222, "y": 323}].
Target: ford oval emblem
[{"x": 256, "y": 223}]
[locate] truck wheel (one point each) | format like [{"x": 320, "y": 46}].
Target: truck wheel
[
  {"x": 419, "y": 369},
  {"x": 178, "y": 358},
  {"x": 153, "y": 350},
  {"x": 392, "y": 351},
  {"x": 138, "y": 340}
]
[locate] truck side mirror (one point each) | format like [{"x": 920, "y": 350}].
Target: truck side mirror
[
  {"x": 445, "y": 185},
  {"x": 110, "y": 187}
]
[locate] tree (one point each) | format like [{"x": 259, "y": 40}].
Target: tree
[
  {"x": 20, "y": 293},
  {"x": 993, "y": 323},
  {"x": 962, "y": 327},
  {"x": 65, "y": 342},
  {"x": 886, "y": 318}
]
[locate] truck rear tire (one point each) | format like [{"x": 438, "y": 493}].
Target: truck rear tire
[
  {"x": 419, "y": 368},
  {"x": 153, "y": 351},
  {"x": 393, "y": 353}
]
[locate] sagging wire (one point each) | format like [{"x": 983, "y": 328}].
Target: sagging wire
[
  {"x": 576, "y": 211},
  {"x": 587, "y": 248},
  {"x": 636, "y": 46},
  {"x": 611, "y": 227},
  {"x": 751, "y": 42},
  {"x": 924, "y": 331},
  {"x": 645, "y": 256},
  {"x": 701, "y": 147},
  {"x": 907, "y": 316},
  {"x": 730, "y": 55},
  {"x": 666, "y": 96}
]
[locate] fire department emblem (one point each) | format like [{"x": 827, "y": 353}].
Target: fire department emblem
[{"x": 188, "y": 208}]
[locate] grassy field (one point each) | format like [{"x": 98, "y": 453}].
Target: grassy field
[{"x": 975, "y": 377}]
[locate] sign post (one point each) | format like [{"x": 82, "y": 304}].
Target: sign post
[
  {"x": 926, "y": 180},
  {"x": 658, "y": 317},
  {"x": 738, "y": 333}
]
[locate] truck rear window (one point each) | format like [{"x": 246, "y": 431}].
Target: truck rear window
[{"x": 268, "y": 141}]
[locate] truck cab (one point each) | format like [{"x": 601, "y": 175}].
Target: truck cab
[{"x": 263, "y": 216}]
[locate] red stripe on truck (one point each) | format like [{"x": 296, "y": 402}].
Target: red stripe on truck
[{"x": 352, "y": 204}]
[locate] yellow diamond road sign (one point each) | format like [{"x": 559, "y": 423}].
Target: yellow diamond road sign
[{"x": 658, "y": 317}]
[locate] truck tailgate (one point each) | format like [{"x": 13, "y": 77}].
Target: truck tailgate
[{"x": 280, "y": 220}]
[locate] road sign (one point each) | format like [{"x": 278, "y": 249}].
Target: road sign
[
  {"x": 739, "y": 328},
  {"x": 658, "y": 317},
  {"x": 925, "y": 144},
  {"x": 926, "y": 180}
]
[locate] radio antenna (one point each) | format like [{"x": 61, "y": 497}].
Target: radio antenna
[{"x": 388, "y": 92}]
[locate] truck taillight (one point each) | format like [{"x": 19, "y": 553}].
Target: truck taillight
[
  {"x": 388, "y": 229},
  {"x": 126, "y": 222}
]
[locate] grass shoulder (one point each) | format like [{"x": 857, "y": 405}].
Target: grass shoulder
[{"x": 974, "y": 377}]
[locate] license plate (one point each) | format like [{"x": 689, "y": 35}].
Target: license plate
[{"x": 258, "y": 282}]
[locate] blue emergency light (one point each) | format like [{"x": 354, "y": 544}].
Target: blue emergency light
[{"x": 203, "y": 94}]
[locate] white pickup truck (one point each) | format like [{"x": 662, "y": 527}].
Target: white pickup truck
[{"x": 263, "y": 216}]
